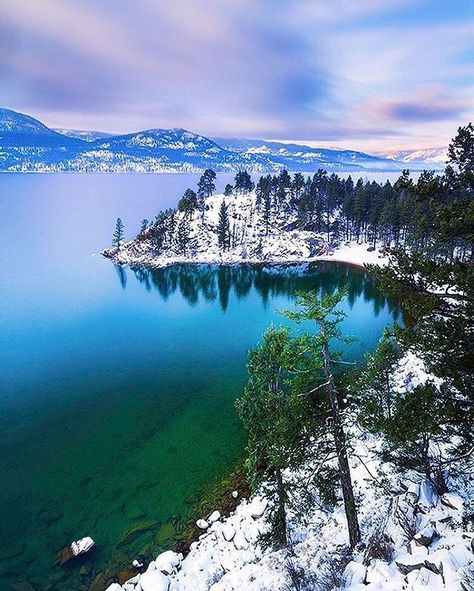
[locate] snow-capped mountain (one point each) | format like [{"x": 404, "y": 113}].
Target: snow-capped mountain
[
  {"x": 427, "y": 156},
  {"x": 83, "y": 134},
  {"x": 306, "y": 158},
  {"x": 27, "y": 145}
]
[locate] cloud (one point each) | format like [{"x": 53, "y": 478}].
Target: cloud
[{"x": 342, "y": 71}]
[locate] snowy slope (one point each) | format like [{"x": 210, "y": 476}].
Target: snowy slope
[{"x": 285, "y": 241}]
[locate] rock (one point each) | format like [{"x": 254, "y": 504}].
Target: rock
[
  {"x": 228, "y": 532},
  {"x": 235, "y": 494},
  {"x": 137, "y": 563},
  {"x": 214, "y": 516},
  {"x": 407, "y": 563},
  {"x": 452, "y": 501},
  {"x": 425, "y": 536},
  {"x": 154, "y": 580},
  {"x": 240, "y": 542},
  {"x": 168, "y": 562},
  {"x": 416, "y": 550},
  {"x": 354, "y": 574},
  {"x": 257, "y": 507},
  {"x": 114, "y": 587},
  {"x": 98, "y": 584},
  {"x": 425, "y": 580},
  {"x": 413, "y": 493},
  {"x": 202, "y": 524},
  {"x": 427, "y": 498},
  {"x": 23, "y": 586}
]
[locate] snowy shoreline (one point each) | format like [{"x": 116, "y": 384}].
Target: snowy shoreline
[{"x": 431, "y": 544}]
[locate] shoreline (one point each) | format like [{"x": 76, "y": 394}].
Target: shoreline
[{"x": 162, "y": 262}]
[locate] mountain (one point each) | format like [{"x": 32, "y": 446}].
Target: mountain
[
  {"x": 27, "y": 145},
  {"x": 305, "y": 158},
  {"x": 83, "y": 134},
  {"x": 437, "y": 156}
]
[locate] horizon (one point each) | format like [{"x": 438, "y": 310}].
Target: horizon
[{"x": 370, "y": 78}]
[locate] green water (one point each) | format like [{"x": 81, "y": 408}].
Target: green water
[{"x": 117, "y": 386}]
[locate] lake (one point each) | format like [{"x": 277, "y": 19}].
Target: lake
[{"x": 117, "y": 387}]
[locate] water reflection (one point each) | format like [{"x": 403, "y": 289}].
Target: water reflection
[{"x": 213, "y": 282}]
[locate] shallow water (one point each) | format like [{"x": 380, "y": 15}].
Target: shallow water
[{"x": 117, "y": 387}]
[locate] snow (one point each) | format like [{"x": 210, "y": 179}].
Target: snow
[
  {"x": 285, "y": 243},
  {"x": 228, "y": 556}
]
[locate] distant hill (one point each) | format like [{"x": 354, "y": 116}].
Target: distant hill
[
  {"x": 27, "y": 145},
  {"x": 427, "y": 156}
]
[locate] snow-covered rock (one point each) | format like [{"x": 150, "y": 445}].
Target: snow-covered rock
[
  {"x": 168, "y": 562},
  {"x": 202, "y": 524},
  {"x": 153, "y": 580}
]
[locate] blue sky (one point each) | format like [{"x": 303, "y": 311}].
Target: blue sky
[{"x": 367, "y": 74}]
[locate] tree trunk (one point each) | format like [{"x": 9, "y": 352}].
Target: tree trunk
[{"x": 340, "y": 444}]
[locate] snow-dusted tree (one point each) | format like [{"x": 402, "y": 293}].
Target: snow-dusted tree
[
  {"x": 228, "y": 190},
  {"x": 223, "y": 227},
  {"x": 183, "y": 235},
  {"x": 188, "y": 202},
  {"x": 206, "y": 185},
  {"x": 274, "y": 417},
  {"x": 118, "y": 232},
  {"x": 328, "y": 318}
]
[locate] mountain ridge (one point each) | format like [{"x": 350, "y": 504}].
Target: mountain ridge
[{"x": 27, "y": 145}]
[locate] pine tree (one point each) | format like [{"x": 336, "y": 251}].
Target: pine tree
[
  {"x": 118, "y": 233},
  {"x": 206, "y": 185},
  {"x": 274, "y": 417},
  {"x": 183, "y": 235},
  {"x": 327, "y": 317},
  {"x": 223, "y": 228},
  {"x": 228, "y": 190},
  {"x": 243, "y": 182}
]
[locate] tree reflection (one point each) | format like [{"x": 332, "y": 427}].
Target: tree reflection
[{"x": 211, "y": 282}]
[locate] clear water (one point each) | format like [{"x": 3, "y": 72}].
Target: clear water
[{"x": 117, "y": 388}]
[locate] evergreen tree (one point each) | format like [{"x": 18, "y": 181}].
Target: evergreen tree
[
  {"x": 243, "y": 182},
  {"x": 188, "y": 202},
  {"x": 144, "y": 226},
  {"x": 118, "y": 233},
  {"x": 273, "y": 415},
  {"x": 183, "y": 235},
  {"x": 223, "y": 228},
  {"x": 206, "y": 185},
  {"x": 436, "y": 284},
  {"x": 228, "y": 190},
  {"x": 328, "y": 318}
]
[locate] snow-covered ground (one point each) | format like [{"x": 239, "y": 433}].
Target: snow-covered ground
[
  {"x": 414, "y": 540},
  {"x": 251, "y": 243}
]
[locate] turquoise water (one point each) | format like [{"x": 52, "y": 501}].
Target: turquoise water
[{"x": 117, "y": 387}]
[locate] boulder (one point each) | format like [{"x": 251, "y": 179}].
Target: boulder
[
  {"x": 452, "y": 501},
  {"x": 202, "y": 524},
  {"x": 114, "y": 587},
  {"x": 239, "y": 540},
  {"x": 228, "y": 532},
  {"x": 257, "y": 508},
  {"x": 214, "y": 516},
  {"x": 407, "y": 563},
  {"x": 168, "y": 562},
  {"x": 425, "y": 536},
  {"x": 153, "y": 580},
  {"x": 235, "y": 494},
  {"x": 412, "y": 494},
  {"x": 354, "y": 574},
  {"x": 425, "y": 580}
]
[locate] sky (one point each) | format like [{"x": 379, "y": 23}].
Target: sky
[{"x": 373, "y": 75}]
